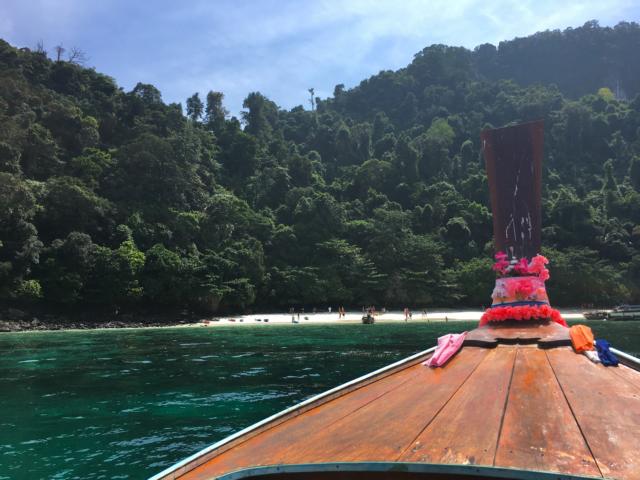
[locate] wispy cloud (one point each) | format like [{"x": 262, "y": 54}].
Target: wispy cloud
[{"x": 279, "y": 47}]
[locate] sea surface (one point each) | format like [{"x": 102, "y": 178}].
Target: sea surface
[{"x": 125, "y": 404}]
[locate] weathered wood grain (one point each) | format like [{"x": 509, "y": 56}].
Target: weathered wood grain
[
  {"x": 539, "y": 431},
  {"x": 606, "y": 408},
  {"x": 383, "y": 429},
  {"x": 546, "y": 334},
  {"x": 628, "y": 374},
  {"x": 362, "y": 425},
  {"x": 466, "y": 430}
]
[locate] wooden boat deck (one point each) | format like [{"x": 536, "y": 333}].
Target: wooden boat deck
[{"x": 514, "y": 405}]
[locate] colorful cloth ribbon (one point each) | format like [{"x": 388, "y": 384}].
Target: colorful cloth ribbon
[
  {"x": 581, "y": 338},
  {"x": 606, "y": 357},
  {"x": 447, "y": 347},
  {"x": 521, "y": 311},
  {"x": 592, "y": 355}
]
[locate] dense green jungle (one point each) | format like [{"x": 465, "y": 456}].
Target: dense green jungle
[{"x": 113, "y": 199}]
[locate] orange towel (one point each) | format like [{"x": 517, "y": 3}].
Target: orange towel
[{"x": 581, "y": 338}]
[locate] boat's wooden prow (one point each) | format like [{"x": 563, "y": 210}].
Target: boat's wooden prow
[
  {"x": 516, "y": 399},
  {"x": 545, "y": 334}
]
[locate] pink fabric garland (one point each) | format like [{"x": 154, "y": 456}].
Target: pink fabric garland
[
  {"x": 513, "y": 289},
  {"x": 521, "y": 312}
]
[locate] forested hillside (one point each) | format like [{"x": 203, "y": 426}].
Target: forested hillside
[{"x": 376, "y": 195}]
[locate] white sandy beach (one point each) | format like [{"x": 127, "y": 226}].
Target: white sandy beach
[
  {"x": 441, "y": 315},
  {"x": 320, "y": 318}
]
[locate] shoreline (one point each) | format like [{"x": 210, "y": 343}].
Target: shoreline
[{"x": 54, "y": 324}]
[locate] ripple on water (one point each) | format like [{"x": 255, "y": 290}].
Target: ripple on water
[
  {"x": 249, "y": 397},
  {"x": 35, "y": 441},
  {"x": 172, "y": 446},
  {"x": 136, "y": 442},
  {"x": 240, "y": 355},
  {"x": 133, "y": 410},
  {"x": 62, "y": 474},
  {"x": 252, "y": 372}
]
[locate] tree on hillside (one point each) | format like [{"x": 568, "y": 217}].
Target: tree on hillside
[
  {"x": 194, "y": 107},
  {"x": 215, "y": 113}
]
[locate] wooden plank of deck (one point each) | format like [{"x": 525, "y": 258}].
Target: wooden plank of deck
[
  {"x": 628, "y": 374},
  {"x": 546, "y": 334},
  {"x": 606, "y": 408},
  {"x": 340, "y": 431},
  {"x": 466, "y": 430},
  {"x": 382, "y": 430},
  {"x": 539, "y": 431}
]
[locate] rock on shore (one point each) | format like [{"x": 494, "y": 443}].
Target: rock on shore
[{"x": 17, "y": 320}]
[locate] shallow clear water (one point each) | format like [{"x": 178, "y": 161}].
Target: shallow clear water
[{"x": 129, "y": 403}]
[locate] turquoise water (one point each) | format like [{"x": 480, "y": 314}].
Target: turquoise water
[{"x": 128, "y": 403}]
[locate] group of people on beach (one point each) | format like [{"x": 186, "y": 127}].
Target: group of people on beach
[
  {"x": 371, "y": 310},
  {"x": 292, "y": 311}
]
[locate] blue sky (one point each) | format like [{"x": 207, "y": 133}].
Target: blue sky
[{"x": 277, "y": 47}]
